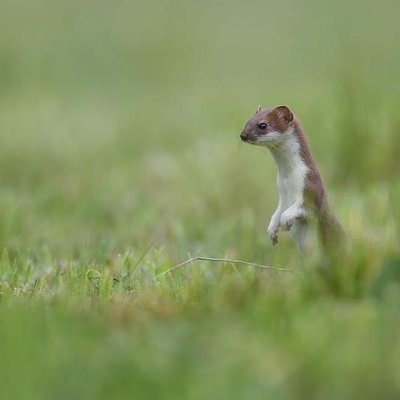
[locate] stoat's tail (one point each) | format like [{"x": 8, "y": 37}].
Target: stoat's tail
[{"x": 330, "y": 231}]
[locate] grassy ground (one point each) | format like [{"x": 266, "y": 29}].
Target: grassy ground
[{"x": 120, "y": 157}]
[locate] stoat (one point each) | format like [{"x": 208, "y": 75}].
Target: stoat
[{"x": 302, "y": 193}]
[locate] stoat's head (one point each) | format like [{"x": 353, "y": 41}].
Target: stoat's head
[{"x": 269, "y": 127}]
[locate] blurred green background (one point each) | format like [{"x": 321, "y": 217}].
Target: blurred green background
[{"x": 120, "y": 155}]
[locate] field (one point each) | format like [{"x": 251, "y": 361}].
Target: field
[{"x": 120, "y": 158}]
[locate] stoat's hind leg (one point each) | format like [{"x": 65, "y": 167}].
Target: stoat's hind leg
[{"x": 300, "y": 232}]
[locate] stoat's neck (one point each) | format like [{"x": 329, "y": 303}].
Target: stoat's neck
[{"x": 288, "y": 157}]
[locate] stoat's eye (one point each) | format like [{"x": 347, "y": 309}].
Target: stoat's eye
[{"x": 263, "y": 125}]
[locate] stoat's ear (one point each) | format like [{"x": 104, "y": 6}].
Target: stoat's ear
[
  {"x": 258, "y": 109},
  {"x": 284, "y": 112}
]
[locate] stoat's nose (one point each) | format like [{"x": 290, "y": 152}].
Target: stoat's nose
[{"x": 243, "y": 136}]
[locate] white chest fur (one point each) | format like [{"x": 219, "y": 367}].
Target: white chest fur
[{"x": 292, "y": 172}]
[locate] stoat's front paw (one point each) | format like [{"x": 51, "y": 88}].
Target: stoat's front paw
[
  {"x": 274, "y": 238},
  {"x": 289, "y": 217},
  {"x": 287, "y": 221},
  {"x": 273, "y": 233}
]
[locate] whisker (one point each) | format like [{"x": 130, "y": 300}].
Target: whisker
[{"x": 237, "y": 149}]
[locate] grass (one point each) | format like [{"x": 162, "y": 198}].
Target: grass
[{"x": 120, "y": 158}]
